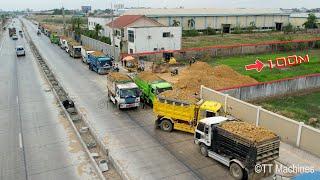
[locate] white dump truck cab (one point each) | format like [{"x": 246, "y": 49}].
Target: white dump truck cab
[
  {"x": 127, "y": 95},
  {"x": 203, "y": 130}
]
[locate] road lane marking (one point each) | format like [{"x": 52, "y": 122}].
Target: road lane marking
[
  {"x": 17, "y": 99},
  {"x": 20, "y": 141}
]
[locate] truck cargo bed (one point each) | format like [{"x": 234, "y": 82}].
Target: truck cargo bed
[{"x": 249, "y": 152}]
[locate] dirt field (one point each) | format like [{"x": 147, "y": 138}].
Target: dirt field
[{"x": 233, "y": 39}]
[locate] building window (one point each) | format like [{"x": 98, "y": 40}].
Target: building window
[
  {"x": 155, "y": 49},
  {"x": 131, "y": 51},
  {"x": 122, "y": 32},
  {"x": 166, "y": 34},
  {"x": 130, "y": 36}
]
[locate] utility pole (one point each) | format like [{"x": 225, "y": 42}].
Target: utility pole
[
  {"x": 64, "y": 21},
  {"x": 113, "y": 34}
]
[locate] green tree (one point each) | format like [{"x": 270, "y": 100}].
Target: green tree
[
  {"x": 97, "y": 29},
  {"x": 252, "y": 26},
  {"x": 175, "y": 23},
  {"x": 288, "y": 28},
  {"x": 311, "y": 22}
]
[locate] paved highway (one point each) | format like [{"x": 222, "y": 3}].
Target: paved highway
[
  {"x": 141, "y": 151},
  {"x": 36, "y": 140}
]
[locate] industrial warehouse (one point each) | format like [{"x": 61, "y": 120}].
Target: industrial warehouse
[{"x": 218, "y": 19}]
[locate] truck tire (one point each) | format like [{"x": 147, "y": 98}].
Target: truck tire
[
  {"x": 204, "y": 150},
  {"x": 236, "y": 171},
  {"x": 166, "y": 125}
]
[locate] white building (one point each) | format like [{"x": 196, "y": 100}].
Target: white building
[
  {"x": 148, "y": 39},
  {"x": 103, "y": 21},
  {"x": 120, "y": 27}
]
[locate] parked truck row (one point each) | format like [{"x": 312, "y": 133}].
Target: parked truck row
[{"x": 97, "y": 61}]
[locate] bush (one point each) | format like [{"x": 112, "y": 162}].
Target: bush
[
  {"x": 190, "y": 33},
  {"x": 210, "y": 31},
  {"x": 237, "y": 30},
  {"x": 303, "y": 46},
  {"x": 105, "y": 39},
  {"x": 317, "y": 44},
  {"x": 285, "y": 38}
]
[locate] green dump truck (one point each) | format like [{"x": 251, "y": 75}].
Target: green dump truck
[
  {"x": 150, "y": 85},
  {"x": 54, "y": 38}
]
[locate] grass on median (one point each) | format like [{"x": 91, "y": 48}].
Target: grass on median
[
  {"x": 300, "y": 108},
  {"x": 238, "y": 63},
  {"x": 233, "y": 39}
]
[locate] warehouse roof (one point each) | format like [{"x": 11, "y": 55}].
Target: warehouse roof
[
  {"x": 204, "y": 12},
  {"x": 126, "y": 20},
  {"x": 303, "y": 15}
]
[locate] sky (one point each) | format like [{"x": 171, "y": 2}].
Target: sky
[{"x": 103, "y": 4}]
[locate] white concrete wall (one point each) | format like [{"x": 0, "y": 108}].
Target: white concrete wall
[
  {"x": 148, "y": 38},
  {"x": 92, "y": 21}
]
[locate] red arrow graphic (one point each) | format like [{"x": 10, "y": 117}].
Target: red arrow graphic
[{"x": 258, "y": 66}]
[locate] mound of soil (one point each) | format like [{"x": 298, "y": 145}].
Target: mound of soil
[
  {"x": 148, "y": 76},
  {"x": 201, "y": 73},
  {"x": 118, "y": 76},
  {"x": 181, "y": 95},
  {"x": 190, "y": 79},
  {"x": 248, "y": 131}
]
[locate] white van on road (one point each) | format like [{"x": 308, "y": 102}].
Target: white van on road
[{"x": 20, "y": 51}]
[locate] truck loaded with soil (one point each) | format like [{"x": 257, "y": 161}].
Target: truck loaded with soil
[{"x": 239, "y": 145}]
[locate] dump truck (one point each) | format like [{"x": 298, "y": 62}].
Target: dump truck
[
  {"x": 150, "y": 85},
  {"x": 54, "y": 38},
  {"x": 74, "y": 49},
  {"x": 85, "y": 51},
  {"x": 12, "y": 31},
  {"x": 99, "y": 62},
  {"x": 238, "y": 145},
  {"x": 122, "y": 91},
  {"x": 173, "y": 114},
  {"x": 62, "y": 42}
]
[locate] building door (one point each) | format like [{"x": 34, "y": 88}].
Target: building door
[
  {"x": 278, "y": 26},
  {"x": 226, "y": 28}
]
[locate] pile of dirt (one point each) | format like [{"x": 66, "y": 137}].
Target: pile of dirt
[
  {"x": 201, "y": 73},
  {"x": 248, "y": 131},
  {"x": 98, "y": 53},
  {"x": 148, "y": 76},
  {"x": 181, "y": 95},
  {"x": 116, "y": 76},
  {"x": 187, "y": 84}
]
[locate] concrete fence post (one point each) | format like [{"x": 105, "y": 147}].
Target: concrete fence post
[
  {"x": 225, "y": 103},
  {"x": 258, "y": 115},
  {"x": 201, "y": 89},
  {"x": 299, "y": 134}
]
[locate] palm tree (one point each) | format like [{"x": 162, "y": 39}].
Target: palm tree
[
  {"x": 176, "y": 23},
  {"x": 97, "y": 29}
]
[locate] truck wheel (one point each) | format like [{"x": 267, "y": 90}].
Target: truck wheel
[
  {"x": 166, "y": 125},
  {"x": 204, "y": 150},
  {"x": 236, "y": 171}
]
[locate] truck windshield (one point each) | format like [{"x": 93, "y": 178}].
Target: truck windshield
[
  {"x": 104, "y": 61},
  {"x": 127, "y": 93},
  {"x": 77, "y": 50},
  {"x": 160, "y": 90}
]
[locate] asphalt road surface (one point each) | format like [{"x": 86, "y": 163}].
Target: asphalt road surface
[
  {"x": 36, "y": 140},
  {"x": 140, "y": 150}
]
